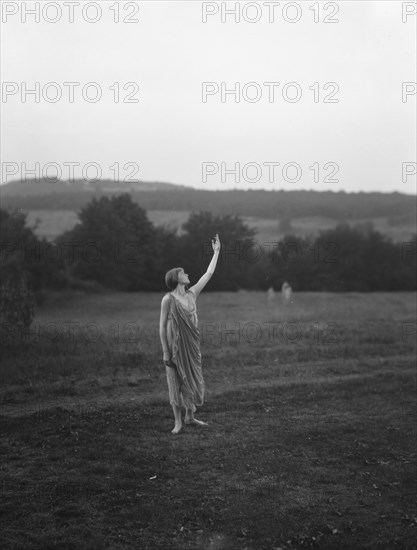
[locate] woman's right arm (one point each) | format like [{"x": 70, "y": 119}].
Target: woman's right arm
[{"x": 163, "y": 322}]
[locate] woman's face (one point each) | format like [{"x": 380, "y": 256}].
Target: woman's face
[{"x": 183, "y": 278}]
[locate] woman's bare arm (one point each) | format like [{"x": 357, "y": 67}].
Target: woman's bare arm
[{"x": 201, "y": 283}]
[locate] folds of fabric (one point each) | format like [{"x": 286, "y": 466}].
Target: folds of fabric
[{"x": 184, "y": 341}]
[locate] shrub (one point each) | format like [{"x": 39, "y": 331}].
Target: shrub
[{"x": 17, "y": 304}]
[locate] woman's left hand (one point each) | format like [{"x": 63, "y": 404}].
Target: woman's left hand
[{"x": 216, "y": 243}]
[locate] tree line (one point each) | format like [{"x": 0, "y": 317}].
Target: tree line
[
  {"x": 258, "y": 203},
  {"x": 114, "y": 245}
]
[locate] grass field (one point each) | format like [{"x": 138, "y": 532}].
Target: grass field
[
  {"x": 54, "y": 222},
  {"x": 311, "y": 440}
]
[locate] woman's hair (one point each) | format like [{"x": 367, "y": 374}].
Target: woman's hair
[{"x": 171, "y": 277}]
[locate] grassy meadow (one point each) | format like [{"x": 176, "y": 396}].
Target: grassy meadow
[{"x": 311, "y": 441}]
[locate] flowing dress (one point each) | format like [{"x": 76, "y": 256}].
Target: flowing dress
[{"x": 185, "y": 381}]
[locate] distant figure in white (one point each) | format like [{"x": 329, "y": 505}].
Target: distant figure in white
[
  {"x": 271, "y": 294},
  {"x": 286, "y": 293}
]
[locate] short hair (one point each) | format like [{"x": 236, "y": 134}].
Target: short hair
[{"x": 171, "y": 277}]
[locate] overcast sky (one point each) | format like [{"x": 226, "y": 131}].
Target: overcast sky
[{"x": 170, "y": 132}]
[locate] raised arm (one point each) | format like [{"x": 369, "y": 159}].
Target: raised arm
[{"x": 204, "y": 279}]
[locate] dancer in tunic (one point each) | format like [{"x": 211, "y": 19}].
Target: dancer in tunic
[{"x": 180, "y": 338}]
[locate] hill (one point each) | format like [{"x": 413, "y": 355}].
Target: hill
[
  {"x": 398, "y": 208},
  {"x": 32, "y": 187}
]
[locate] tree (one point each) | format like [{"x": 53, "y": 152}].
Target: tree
[
  {"x": 167, "y": 254},
  {"x": 114, "y": 244},
  {"x": 236, "y": 254},
  {"x": 20, "y": 273},
  {"x": 22, "y": 252}
]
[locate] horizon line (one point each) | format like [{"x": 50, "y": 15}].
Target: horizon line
[{"x": 212, "y": 190}]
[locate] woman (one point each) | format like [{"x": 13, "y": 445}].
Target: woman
[{"x": 180, "y": 338}]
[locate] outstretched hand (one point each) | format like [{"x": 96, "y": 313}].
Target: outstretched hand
[{"x": 216, "y": 243}]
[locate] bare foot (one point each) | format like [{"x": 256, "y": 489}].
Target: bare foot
[
  {"x": 189, "y": 421},
  {"x": 177, "y": 428}
]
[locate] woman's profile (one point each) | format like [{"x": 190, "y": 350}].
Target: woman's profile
[{"x": 180, "y": 338}]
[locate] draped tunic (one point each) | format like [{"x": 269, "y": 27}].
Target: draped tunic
[{"x": 185, "y": 381}]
